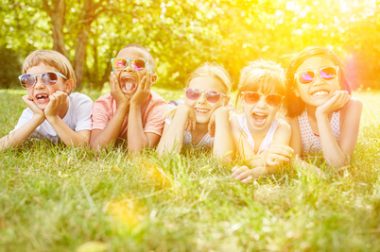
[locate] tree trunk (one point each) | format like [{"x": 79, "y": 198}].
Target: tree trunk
[{"x": 56, "y": 12}]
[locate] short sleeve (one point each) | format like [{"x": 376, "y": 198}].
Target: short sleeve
[
  {"x": 100, "y": 113},
  {"x": 156, "y": 119},
  {"x": 25, "y": 117}
]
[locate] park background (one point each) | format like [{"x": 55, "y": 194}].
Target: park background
[
  {"x": 181, "y": 35},
  {"x": 54, "y": 198}
]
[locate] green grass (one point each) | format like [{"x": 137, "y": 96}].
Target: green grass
[{"x": 55, "y": 198}]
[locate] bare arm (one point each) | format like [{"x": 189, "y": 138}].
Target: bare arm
[
  {"x": 336, "y": 153},
  {"x": 108, "y": 136},
  {"x": 224, "y": 145},
  {"x": 21, "y": 134},
  {"x": 172, "y": 138},
  {"x": 137, "y": 138}
]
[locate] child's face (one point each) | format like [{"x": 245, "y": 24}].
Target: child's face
[
  {"x": 205, "y": 94},
  {"x": 130, "y": 77},
  {"x": 260, "y": 109},
  {"x": 317, "y": 78},
  {"x": 43, "y": 88}
]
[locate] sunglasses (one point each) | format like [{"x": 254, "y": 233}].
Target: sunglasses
[
  {"x": 49, "y": 78},
  {"x": 252, "y": 97},
  {"x": 120, "y": 64},
  {"x": 211, "y": 95},
  {"x": 309, "y": 76}
]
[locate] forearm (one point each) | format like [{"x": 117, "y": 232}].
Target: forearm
[
  {"x": 172, "y": 139},
  {"x": 332, "y": 152},
  {"x": 109, "y": 135},
  {"x": 68, "y": 136},
  {"x": 137, "y": 140},
  {"x": 223, "y": 141},
  {"x": 19, "y": 136}
]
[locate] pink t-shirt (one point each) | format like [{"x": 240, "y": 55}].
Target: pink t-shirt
[{"x": 153, "y": 112}]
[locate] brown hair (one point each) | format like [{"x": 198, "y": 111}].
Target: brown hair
[{"x": 294, "y": 104}]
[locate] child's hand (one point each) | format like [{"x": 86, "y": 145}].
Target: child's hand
[
  {"x": 143, "y": 91},
  {"x": 191, "y": 122},
  {"x": 35, "y": 109},
  {"x": 220, "y": 112},
  {"x": 336, "y": 102},
  {"x": 116, "y": 91},
  {"x": 278, "y": 154},
  {"x": 57, "y": 100},
  {"x": 242, "y": 173}
]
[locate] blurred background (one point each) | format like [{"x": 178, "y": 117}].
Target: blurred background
[{"x": 181, "y": 35}]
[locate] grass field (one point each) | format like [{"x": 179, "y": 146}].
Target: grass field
[{"x": 54, "y": 198}]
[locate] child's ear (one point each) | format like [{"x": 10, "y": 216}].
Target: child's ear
[
  {"x": 226, "y": 100},
  {"x": 69, "y": 84},
  {"x": 153, "y": 78}
]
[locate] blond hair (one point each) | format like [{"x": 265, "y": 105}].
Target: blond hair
[
  {"x": 213, "y": 70},
  {"x": 53, "y": 59},
  {"x": 267, "y": 76}
]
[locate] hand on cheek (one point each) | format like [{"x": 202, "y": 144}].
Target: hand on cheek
[
  {"x": 336, "y": 102},
  {"x": 35, "y": 109},
  {"x": 57, "y": 101}
]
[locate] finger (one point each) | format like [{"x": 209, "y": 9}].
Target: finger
[
  {"x": 244, "y": 175},
  {"x": 238, "y": 171},
  {"x": 143, "y": 83},
  {"x": 259, "y": 172},
  {"x": 247, "y": 180}
]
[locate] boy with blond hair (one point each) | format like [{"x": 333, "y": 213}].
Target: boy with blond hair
[{"x": 53, "y": 112}]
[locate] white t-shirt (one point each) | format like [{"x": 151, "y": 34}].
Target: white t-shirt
[{"x": 78, "y": 117}]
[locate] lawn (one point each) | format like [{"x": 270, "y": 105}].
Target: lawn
[{"x": 54, "y": 198}]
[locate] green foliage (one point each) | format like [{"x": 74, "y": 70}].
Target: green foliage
[
  {"x": 10, "y": 69},
  {"x": 55, "y": 198},
  {"x": 183, "y": 34}
]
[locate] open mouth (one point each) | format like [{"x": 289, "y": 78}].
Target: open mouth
[
  {"x": 128, "y": 83},
  {"x": 41, "y": 98},
  {"x": 259, "y": 118}
]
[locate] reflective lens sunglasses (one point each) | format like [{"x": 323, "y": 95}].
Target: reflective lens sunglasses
[
  {"x": 49, "y": 78},
  {"x": 309, "y": 76},
  {"x": 120, "y": 64},
  {"x": 252, "y": 97},
  {"x": 211, "y": 95}
]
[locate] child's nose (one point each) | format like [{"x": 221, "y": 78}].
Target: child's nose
[
  {"x": 39, "y": 84},
  {"x": 202, "y": 98},
  {"x": 261, "y": 102}
]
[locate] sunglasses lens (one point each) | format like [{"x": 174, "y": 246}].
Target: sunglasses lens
[
  {"x": 212, "y": 96},
  {"x": 49, "y": 78},
  {"x": 193, "y": 94},
  {"x": 27, "y": 80},
  {"x": 251, "y": 97},
  {"x": 119, "y": 63},
  {"x": 274, "y": 100},
  {"x": 139, "y": 64},
  {"x": 306, "y": 77},
  {"x": 328, "y": 73}
]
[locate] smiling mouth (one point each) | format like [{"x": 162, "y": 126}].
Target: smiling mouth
[
  {"x": 41, "y": 97},
  {"x": 202, "y": 110},
  {"x": 319, "y": 93}
]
